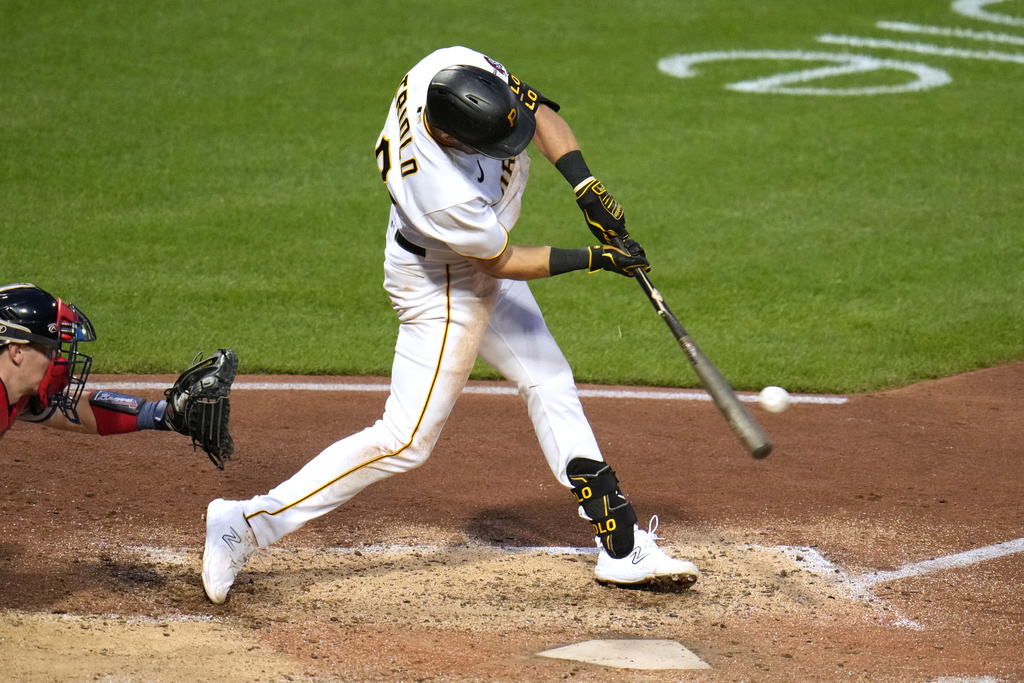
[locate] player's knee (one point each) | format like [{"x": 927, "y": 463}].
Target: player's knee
[
  {"x": 597, "y": 491},
  {"x": 414, "y": 451},
  {"x": 556, "y": 392},
  {"x": 415, "y": 456},
  {"x": 557, "y": 380},
  {"x": 395, "y": 452},
  {"x": 410, "y": 443}
]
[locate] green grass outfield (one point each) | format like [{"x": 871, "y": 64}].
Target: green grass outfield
[{"x": 196, "y": 175}]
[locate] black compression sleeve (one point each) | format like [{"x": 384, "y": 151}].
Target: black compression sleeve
[
  {"x": 565, "y": 260},
  {"x": 572, "y": 166}
]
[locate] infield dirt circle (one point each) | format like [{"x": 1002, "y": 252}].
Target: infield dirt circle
[{"x": 462, "y": 569}]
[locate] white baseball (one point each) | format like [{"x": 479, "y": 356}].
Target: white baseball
[{"x": 774, "y": 399}]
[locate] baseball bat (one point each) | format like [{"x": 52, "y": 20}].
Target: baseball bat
[{"x": 739, "y": 418}]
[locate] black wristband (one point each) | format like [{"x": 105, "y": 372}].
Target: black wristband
[
  {"x": 572, "y": 166},
  {"x": 565, "y": 260}
]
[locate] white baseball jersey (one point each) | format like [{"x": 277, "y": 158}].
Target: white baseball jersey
[
  {"x": 457, "y": 207},
  {"x": 457, "y": 203}
]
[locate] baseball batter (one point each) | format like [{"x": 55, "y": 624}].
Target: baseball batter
[{"x": 453, "y": 157}]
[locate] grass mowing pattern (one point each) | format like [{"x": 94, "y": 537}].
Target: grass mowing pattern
[{"x": 203, "y": 176}]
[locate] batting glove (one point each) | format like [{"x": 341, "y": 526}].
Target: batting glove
[
  {"x": 606, "y": 257},
  {"x": 604, "y": 215}
]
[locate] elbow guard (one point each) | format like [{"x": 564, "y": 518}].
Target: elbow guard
[
  {"x": 115, "y": 413},
  {"x": 121, "y": 414}
]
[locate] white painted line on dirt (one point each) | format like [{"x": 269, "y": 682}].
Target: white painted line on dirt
[
  {"x": 963, "y": 559},
  {"x": 182, "y": 555},
  {"x": 812, "y": 561},
  {"x": 123, "y": 619},
  {"x": 655, "y": 394},
  {"x": 383, "y": 548},
  {"x": 809, "y": 559},
  {"x": 551, "y": 549}
]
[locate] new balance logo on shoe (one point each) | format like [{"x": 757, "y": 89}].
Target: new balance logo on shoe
[
  {"x": 232, "y": 539},
  {"x": 638, "y": 555}
]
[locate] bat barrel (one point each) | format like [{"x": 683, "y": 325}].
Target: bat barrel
[{"x": 736, "y": 415}]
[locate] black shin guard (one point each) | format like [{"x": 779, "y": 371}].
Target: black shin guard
[{"x": 597, "y": 491}]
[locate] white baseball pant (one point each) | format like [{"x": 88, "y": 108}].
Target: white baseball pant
[{"x": 449, "y": 313}]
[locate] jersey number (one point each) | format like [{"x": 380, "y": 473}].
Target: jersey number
[{"x": 383, "y": 150}]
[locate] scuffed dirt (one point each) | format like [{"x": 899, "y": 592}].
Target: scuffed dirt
[{"x": 438, "y": 575}]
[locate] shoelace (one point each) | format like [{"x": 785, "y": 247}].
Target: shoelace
[
  {"x": 263, "y": 556},
  {"x": 652, "y": 526}
]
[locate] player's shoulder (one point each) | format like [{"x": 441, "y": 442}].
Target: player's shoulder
[
  {"x": 458, "y": 54},
  {"x": 438, "y": 181}
]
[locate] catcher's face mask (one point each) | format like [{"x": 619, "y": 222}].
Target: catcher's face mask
[{"x": 68, "y": 371}]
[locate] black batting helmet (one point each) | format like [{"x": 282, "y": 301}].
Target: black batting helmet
[
  {"x": 28, "y": 315},
  {"x": 477, "y": 108}
]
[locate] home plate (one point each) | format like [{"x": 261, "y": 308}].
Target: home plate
[{"x": 630, "y": 654}]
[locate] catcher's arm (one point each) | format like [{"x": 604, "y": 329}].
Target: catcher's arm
[{"x": 198, "y": 405}]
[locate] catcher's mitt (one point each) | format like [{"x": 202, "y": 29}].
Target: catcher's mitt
[{"x": 198, "y": 406}]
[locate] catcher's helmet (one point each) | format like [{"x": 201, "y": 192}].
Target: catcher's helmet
[
  {"x": 477, "y": 108},
  {"x": 28, "y": 315}
]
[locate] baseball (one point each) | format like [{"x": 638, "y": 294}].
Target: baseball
[{"x": 774, "y": 399}]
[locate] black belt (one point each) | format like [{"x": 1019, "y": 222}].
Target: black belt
[{"x": 409, "y": 246}]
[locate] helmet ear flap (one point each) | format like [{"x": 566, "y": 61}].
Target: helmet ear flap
[
  {"x": 69, "y": 370},
  {"x": 72, "y": 326}
]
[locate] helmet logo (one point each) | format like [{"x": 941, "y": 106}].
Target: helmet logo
[
  {"x": 52, "y": 327},
  {"x": 512, "y": 118},
  {"x": 497, "y": 66}
]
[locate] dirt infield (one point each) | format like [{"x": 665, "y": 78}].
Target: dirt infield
[{"x": 460, "y": 570}]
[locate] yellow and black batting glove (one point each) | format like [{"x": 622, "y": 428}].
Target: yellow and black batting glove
[
  {"x": 607, "y": 257},
  {"x": 604, "y": 215}
]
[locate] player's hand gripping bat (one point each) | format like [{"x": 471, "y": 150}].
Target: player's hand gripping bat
[{"x": 736, "y": 414}]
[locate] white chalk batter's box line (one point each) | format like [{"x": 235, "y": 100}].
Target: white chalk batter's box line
[
  {"x": 650, "y": 394},
  {"x": 857, "y": 587}
]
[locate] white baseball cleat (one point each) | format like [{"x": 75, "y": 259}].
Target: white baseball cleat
[
  {"x": 646, "y": 564},
  {"x": 230, "y": 543}
]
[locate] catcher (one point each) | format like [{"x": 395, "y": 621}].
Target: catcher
[{"x": 43, "y": 376}]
